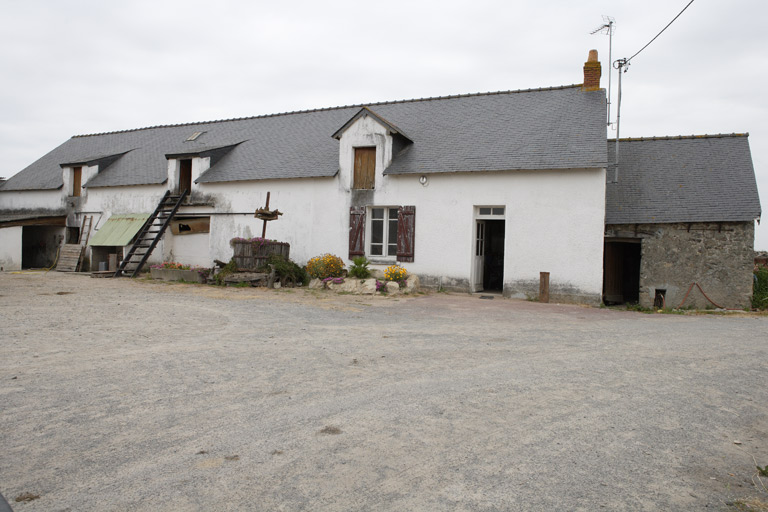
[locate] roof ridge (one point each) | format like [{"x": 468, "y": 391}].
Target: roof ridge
[
  {"x": 340, "y": 107},
  {"x": 681, "y": 137}
]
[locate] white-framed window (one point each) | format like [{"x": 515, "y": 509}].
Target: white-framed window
[
  {"x": 490, "y": 212},
  {"x": 385, "y": 233},
  {"x": 382, "y": 229}
]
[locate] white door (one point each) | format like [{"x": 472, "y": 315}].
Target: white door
[{"x": 479, "y": 256}]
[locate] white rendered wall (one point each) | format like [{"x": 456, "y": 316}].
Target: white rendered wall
[
  {"x": 192, "y": 249},
  {"x": 314, "y": 218},
  {"x": 554, "y": 219},
  {"x": 10, "y": 248},
  {"x": 32, "y": 200}
]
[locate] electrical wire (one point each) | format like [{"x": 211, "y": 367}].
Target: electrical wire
[{"x": 657, "y": 35}]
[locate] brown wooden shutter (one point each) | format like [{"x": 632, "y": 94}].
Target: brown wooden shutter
[
  {"x": 356, "y": 231},
  {"x": 406, "y": 224}
]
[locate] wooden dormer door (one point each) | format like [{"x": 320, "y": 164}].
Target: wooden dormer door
[
  {"x": 365, "y": 168},
  {"x": 185, "y": 176}
]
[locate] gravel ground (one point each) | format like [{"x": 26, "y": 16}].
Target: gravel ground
[{"x": 135, "y": 395}]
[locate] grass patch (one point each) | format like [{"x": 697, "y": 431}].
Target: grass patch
[
  {"x": 760, "y": 289},
  {"x": 752, "y": 505}
]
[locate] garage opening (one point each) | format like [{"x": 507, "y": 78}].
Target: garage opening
[
  {"x": 40, "y": 245},
  {"x": 621, "y": 271}
]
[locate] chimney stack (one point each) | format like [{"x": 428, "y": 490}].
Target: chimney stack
[{"x": 592, "y": 72}]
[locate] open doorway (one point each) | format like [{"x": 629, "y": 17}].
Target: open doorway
[
  {"x": 488, "y": 250},
  {"x": 40, "y": 245},
  {"x": 185, "y": 176},
  {"x": 621, "y": 271}
]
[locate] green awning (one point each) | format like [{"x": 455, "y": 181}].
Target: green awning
[{"x": 119, "y": 230}]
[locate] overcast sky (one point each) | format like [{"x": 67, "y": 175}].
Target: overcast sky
[{"x": 74, "y": 67}]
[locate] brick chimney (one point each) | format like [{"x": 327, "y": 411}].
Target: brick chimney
[{"x": 592, "y": 72}]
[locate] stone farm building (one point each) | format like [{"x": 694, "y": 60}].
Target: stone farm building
[{"x": 471, "y": 192}]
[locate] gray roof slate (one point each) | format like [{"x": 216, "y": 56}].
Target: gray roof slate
[
  {"x": 554, "y": 128},
  {"x": 708, "y": 178}
]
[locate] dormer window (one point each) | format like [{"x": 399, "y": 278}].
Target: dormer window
[
  {"x": 367, "y": 144},
  {"x": 365, "y": 168}
]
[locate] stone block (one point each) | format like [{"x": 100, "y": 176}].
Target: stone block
[
  {"x": 368, "y": 287},
  {"x": 350, "y": 285},
  {"x": 316, "y": 284},
  {"x": 392, "y": 288},
  {"x": 412, "y": 284}
]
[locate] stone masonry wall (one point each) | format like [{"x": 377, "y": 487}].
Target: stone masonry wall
[{"x": 717, "y": 256}]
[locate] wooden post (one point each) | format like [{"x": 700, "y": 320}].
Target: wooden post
[
  {"x": 264, "y": 226},
  {"x": 544, "y": 287}
]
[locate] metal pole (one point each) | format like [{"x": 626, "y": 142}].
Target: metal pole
[
  {"x": 621, "y": 63},
  {"x": 610, "y": 60}
]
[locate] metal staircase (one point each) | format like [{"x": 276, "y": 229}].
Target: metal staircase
[{"x": 150, "y": 234}]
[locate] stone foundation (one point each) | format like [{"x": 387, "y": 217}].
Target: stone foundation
[
  {"x": 561, "y": 293},
  {"x": 717, "y": 256}
]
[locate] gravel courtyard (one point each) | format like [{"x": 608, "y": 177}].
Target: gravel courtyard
[{"x": 144, "y": 396}]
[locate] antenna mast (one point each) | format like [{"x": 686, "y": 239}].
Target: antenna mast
[{"x": 607, "y": 28}]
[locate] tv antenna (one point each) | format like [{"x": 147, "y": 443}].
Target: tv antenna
[{"x": 608, "y": 26}]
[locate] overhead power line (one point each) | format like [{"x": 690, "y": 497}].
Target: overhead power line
[
  {"x": 622, "y": 65},
  {"x": 662, "y": 31}
]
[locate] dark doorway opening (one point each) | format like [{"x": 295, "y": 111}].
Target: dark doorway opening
[
  {"x": 185, "y": 175},
  {"x": 493, "y": 265},
  {"x": 40, "y": 245},
  {"x": 621, "y": 271}
]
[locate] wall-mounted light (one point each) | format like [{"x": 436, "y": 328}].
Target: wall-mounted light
[{"x": 423, "y": 180}]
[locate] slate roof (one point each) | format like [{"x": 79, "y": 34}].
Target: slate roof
[
  {"x": 707, "y": 178},
  {"x": 555, "y": 128}
]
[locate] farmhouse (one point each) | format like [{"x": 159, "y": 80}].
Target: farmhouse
[{"x": 473, "y": 192}]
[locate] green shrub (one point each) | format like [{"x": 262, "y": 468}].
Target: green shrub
[
  {"x": 228, "y": 269},
  {"x": 360, "y": 268},
  {"x": 286, "y": 269},
  {"x": 327, "y": 265},
  {"x": 760, "y": 289}
]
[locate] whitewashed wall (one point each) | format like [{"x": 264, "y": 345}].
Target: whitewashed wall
[
  {"x": 554, "y": 219},
  {"x": 32, "y": 200},
  {"x": 10, "y": 248},
  {"x": 554, "y": 222}
]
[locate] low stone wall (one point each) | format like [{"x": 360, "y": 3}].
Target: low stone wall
[
  {"x": 168, "y": 274},
  {"x": 717, "y": 256},
  {"x": 366, "y": 286}
]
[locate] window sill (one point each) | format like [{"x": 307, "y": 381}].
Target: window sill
[{"x": 381, "y": 261}]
